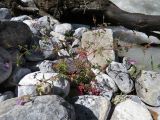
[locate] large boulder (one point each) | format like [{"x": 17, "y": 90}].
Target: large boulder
[
  {"x": 90, "y": 107},
  {"x": 99, "y": 46},
  {"x": 49, "y": 83},
  {"x": 130, "y": 110},
  {"x": 36, "y": 108},
  {"x": 147, "y": 87},
  {"x": 14, "y": 34},
  {"x": 150, "y": 7}
]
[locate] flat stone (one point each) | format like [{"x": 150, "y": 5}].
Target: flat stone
[{"x": 99, "y": 46}]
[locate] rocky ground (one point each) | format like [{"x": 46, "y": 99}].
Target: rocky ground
[{"x": 62, "y": 71}]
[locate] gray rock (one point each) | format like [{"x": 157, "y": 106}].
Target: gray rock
[
  {"x": 79, "y": 31},
  {"x": 9, "y": 36},
  {"x": 104, "y": 84},
  {"x": 63, "y": 28},
  {"x": 19, "y": 73},
  {"x": 42, "y": 25},
  {"x": 132, "y": 36},
  {"x": 147, "y": 58},
  {"x": 5, "y": 13},
  {"x": 91, "y": 107},
  {"x": 6, "y": 95},
  {"x": 5, "y": 65},
  {"x": 21, "y": 18},
  {"x": 99, "y": 46},
  {"x": 150, "y": 7},
  {"x": 46, "y": 66},
  {"x": 118, "y": 72},
  {"x": 49, "y": 82},
  {"x": 37, "y": 108},
  {"x": 130, "y": 110},
  {"x": 147, "y": 87},
  {"x": 29, "y": 3}
]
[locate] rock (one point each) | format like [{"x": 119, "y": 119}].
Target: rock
[
  {"x": 5, "y": 65},
  {"x": 49, "y": 47},
  {"x": 46, "y": 66},
  {"x": 63, "y": 53},
  {"x": 63, "y": 28},
  {"x": 91, "y": 107},
  {"x": 5, "y": 13},
  {"x": 6, "y": 95},
  {"x": 50, "y": 82},
  {"x": 147, "y": 58},
  {"x": 147, "y": 87},
  {"x": 42, "y": 25},
  {"x": 50, "y": 107},
  {"x": 35, "y": 55},
  {"x": 150, "y": 7},
  {"x": 155, "y": 112},
  {"x": 79, "y": 31},
  {"x": 21, "y": 18},
  {"x": 130, "y": 110},
  {"x": 19, "y": 73},
  {"x": 9, "y": 36},
  {"x": 132, "y": 36},
  {"x": 104, "y": 84},
  {"x": 29, "y": 3},
  {"x": 120, "y": 75},
  {"x": 17, "y": 58},
  {"x": 99, "y": 46}
]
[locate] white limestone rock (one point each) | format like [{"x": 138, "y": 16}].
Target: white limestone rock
[
  {"x": 118, "y": 72},
  {"x": 130, "y": 110}
]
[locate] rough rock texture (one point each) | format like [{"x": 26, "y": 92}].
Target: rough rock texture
[
  {"x": 5, "y": 13},
  {"x": 6, "y": 95},
  {"x": 99, "y": 46},
  {"x": 130, "y": 110},
  {"x": 37, "y": 108},
  {"x": 9, "y": 36},
  {"x": 150, "y": 7},
  {"x": 147, "y": 87},
  {"x": 51, "y": 83},
  {"x": 118, "y": 72},
  {"x": 91, "y": 107}
]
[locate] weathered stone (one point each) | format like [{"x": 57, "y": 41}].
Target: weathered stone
[
  {"x": 50, "y": 82},
  {"x": 21, "y": 18},
  {"x": 6, "y": 95},
  {"x": 118, "y": 72},
  {"x": 150, "y": 7},
  {"x": 10, "y": 37},
  {"x": 91, "y": 107},
  {"x": 99, "y": 46},
  {"x": 63, "y": 28},
  {"x": 130, "y": 110},
  {"x": 37, "y": 108},
  {"x": 79, "y": 31},
  {"x": 132, "y": 36},
  {"x": 147, "y": 87},
  {"x": 147, "y": 58},
  {"x": 5, "y": 13}
]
